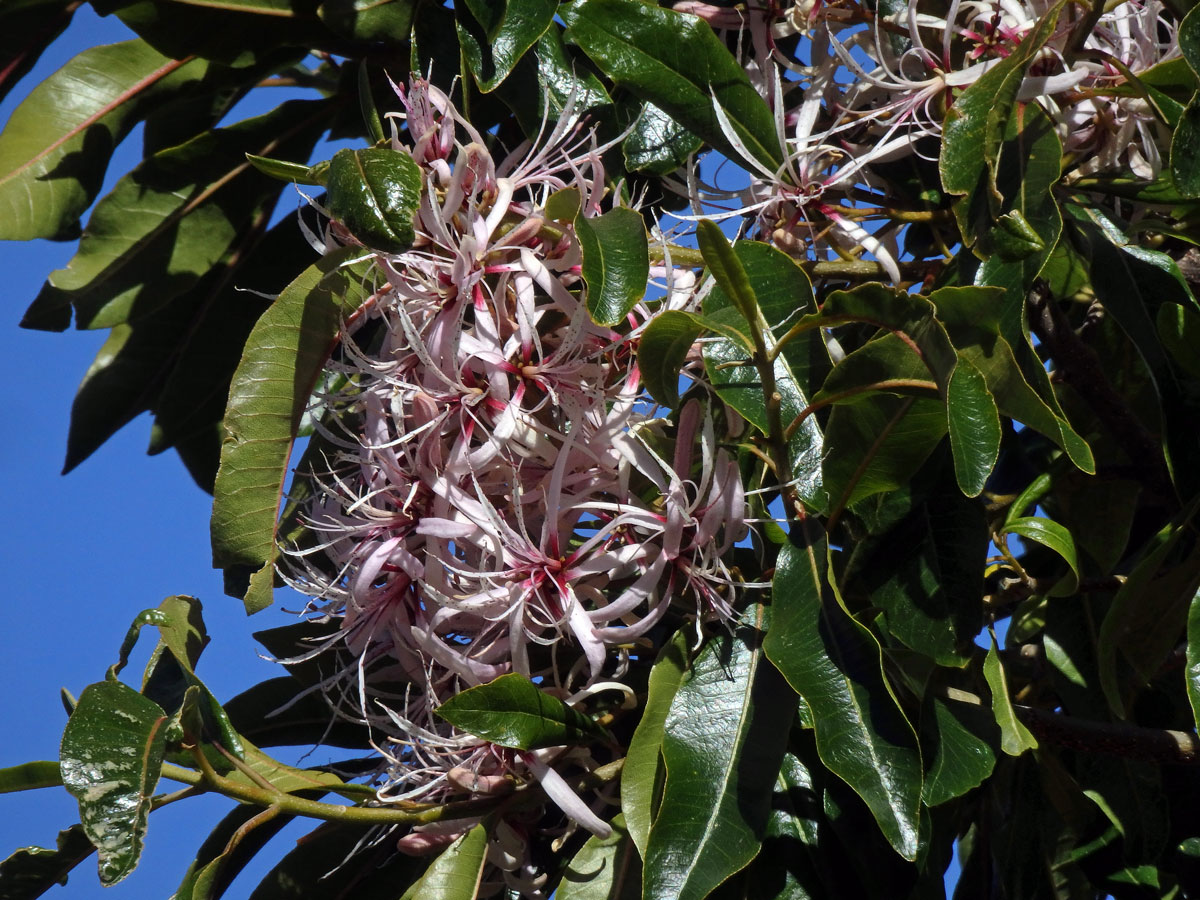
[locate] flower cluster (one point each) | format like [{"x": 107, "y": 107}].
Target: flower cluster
[
  {"x": 852, "y": 91},
  {"x": 495, "y": 495}
]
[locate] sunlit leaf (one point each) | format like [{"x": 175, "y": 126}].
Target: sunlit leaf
[{"x": 513, "y": 712}]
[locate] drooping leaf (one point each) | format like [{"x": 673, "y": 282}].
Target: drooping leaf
[
  {"x": 512, "y": 711},
  {"x": 340, "y": 862},
  {"x": 674, "y": 61},
  {"x": 56, "y": 147},
  {"x": 112, "y": 752},
  {"x": 616, "y": 262},
  {"x": 959, "y": 757},
  {"x": 456, "y": 873},
  {"x": 640, "y": 775},
  {"x": 494, "y": 36},
  {"x": 285, "y": 352},
  {"x": 1049, "y": 534},
  {"x": 723, "y": 741},
  {"x": 217, "y": 863},
  {"x": 375, "y": 193},
  {"x": 779, "y": 288},
  {"x": 1015, "y": 738},
  {"x": 168, "y": 222},
  {"x": 604, "y": 868},
  {"x": 974, "y": 425},
  {"x": 835, "y": 665},
  {"x": 30, "y": 776},
  {"x": 31, "y": 871},
  {"x": 662, "y": 350}
]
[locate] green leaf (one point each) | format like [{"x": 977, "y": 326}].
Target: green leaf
[
  {"x": 662, "y": 350},
  {"x": 26, "y": 30},
  {"x": 616, "y": 262},
  {"x": 374, "y": 193},
  {"x": 341, "y": 861},
  {"x": 923, "y": 571},
  {"x": 385, "y": 21},
  {"x": 293, "y": 173},
  {"x": 723, "y": 741},
  {"x": 780, "y": 289},
  {"x": 30, "y": 776},
  {"x": 972, "y": 317},
  {"x": 512, "y": 711},
  {"x": 285, "y": 352},
  {"x": 56, "y": 147},
  {"x": 971, "y": 144},
  {"x": 726, "y": 267},
  {"x": 1192, "y": 675},
  {"x": 495, "y": 35},
  {"x": 1179, "y": 330},
  {"x": 960, "y": 758},
  {"x": 222, "y": 855},
  {"x": 877, "y": 443},
  {"x": 658, "y": 144},
  {"x": 835, "y": 664},
  {"x": 674, "y": 61},
  {"x": 456, "y": 873},
  {"x": 1015, "y": 738},
  {"x": 1185, "y": 152},
  {"x": 640, "y": 774},
  {"x": 1054, "y": 536},
  {"x": 604, "y": 868},
  {"x": 190, "y": 405},
  {"x": 31, "y": 871},
  {"x": 279, "y": 712},
  {"x": 112, "y": 751},
  {"x": 1147, "y": 618}
]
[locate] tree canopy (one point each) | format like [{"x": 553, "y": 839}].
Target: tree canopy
[{"x": 742, "y": 450}]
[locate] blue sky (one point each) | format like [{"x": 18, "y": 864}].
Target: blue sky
[{"x": 92, "y": 549}]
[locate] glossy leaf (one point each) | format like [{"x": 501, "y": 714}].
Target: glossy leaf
[
  {"x": 616, "y": 262},
  {"x": 1015, "y": 738},
  {"x": 30, "y": 776},
  {"x": 658, "y": 144},
  {"x": 494, "y": 36},
  {"x": 723, "y": 742},
  {"x": 1192, "y": 675},
  {"x": 960, "y": 758},
  {"x": 877, "y": 443},
  {"x": 1185, "y": 152},
  {"x": 835, "y": 664},
  {"x": 31, "y": 871},
  {"x": 674, "y": 61},
  {"x": 56, "y": 147},
  {"x": 514, "y": 712},
  {"x": 727, "y": 268},
  {"x": 112, "y": 751},
  {"x": 220, "y": 857},
  {"x": 456, "y": 873},
  {"x": 604, "y": 868},
  {"x": 374, "y": 193},
  {"x": 169, "y": 221},
  {"x": 286, "y": 351},
  {"x": 640, "y": 776},
  {"x": 388, "y": 21},
  {"x": 974, "y": 425},
  {"x": 971, "y": 145},
  {"x": 780, "y": 289},
  {"x": 922, "y": 570},
  {"x": 1050, "y": 534},
  {"x": 662, "y": 351}
]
